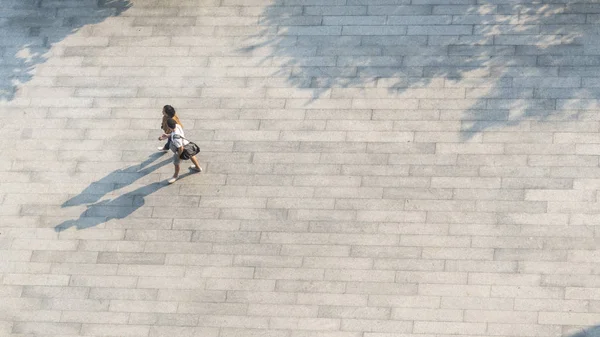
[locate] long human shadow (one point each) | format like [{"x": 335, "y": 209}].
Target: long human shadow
[
  {"x": 118, "y": 208},
  {"x": 115, "y": 180},
  {"x": 99, "y": 212},
  {"x": 106, "y": 210},
  {"x": 513, "y": 60},
  {"x": 29, "y": 29}
]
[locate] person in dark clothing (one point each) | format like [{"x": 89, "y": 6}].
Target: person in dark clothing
[{"x": 168, "y": 112}]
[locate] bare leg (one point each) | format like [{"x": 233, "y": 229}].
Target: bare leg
[
  {"x": 195, "y": 161},
  {"x": 176, "y": 174}
]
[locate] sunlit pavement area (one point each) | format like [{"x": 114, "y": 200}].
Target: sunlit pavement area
[{"x": 372, "y": 168}]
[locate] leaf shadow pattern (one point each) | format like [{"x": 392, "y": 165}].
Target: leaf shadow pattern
[
  {"x": 508, "y": 62},
  {"x": 589, "y": 332},
  {"x": 99, "y": 212},
  {"x": 29, "y": 29}
]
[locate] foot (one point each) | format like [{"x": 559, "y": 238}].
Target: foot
[
  {"x": 172, "y": 180},
  {"x": 196, "y": 169},
  {"x": 162, "y": 149}
]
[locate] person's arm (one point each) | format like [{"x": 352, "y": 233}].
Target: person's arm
[{"x": 179, "y": 150}]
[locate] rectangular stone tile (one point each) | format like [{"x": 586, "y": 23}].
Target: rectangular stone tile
[
  {"x": 500, "y": 317},
  {"x": 212, "y": 308},
  {"x": 122, "y": 330},
  {"x": 459, "y": 182},
  {"x": 555, "y": 318},
  {"x": 158, "y": 235},
  {"x": 305, "y": 323},
  {"x": 131, "y": 258},
  {"x": 122, "y": 294},
  {"x": 218, "y": 272},
  {"x": 54, "y": 292},
  {"x": 376, "y": 325},
  {"x": 282, "y": 310},
  {"x": 36, "y": 279},
  {"x": 498, "y": 329},
  {"x": 375, "y": 276},
  {"x": 226, "y": 236},
  {"x": 142, "y": 306},
  {"x": 503, "y": 279},
  {"x": 315, "y": 250},
  {"x": 569, "y": 280},
  {"x": 139, "y": 270},
  {"x": 325, "y": 238},
  {"x": 332, "y": 299},
  {"x": 542, "y": 292},
  {"x": 383, "y": 288},
  {"x": 430, "y": 277},
  {"x": 354, "y": 312},
  {"x": 289, "y": 273},
  {"x": 103, "y": 281},
  {"x": 189, "y": 295},
  {"x": 337, "y": 262},
  {"x": 449, "y": 327},
  {"x": 84, "y": 269},
  {"x": 477, "y": 303},
  {"x": 177, "y": 247},
  {"x": 68, "y": 304},
  {"x": 239, "y": 284},
  {"x": 369, "y": 204},
  {"x": 46, "y": 328},
  {"x": 168, "y": 330},
  {"x": 537, "y": 183},
  {"x": 262, "y": 297}
]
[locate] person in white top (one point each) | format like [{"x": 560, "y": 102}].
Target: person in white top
[{"x": 178, "y": 141}]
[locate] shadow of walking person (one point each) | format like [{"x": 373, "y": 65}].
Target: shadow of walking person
[
  {"x": 115, "y": 180},
  {"x": 29, "y": 29},
  {"x": 117, "y": 208}
]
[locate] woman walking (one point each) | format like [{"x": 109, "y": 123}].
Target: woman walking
[
  {"x": 168, "y": 112},
  {"x": 177, "y": 141}
]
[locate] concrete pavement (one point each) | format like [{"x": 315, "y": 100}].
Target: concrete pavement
[{"x": 373, "y": 168}]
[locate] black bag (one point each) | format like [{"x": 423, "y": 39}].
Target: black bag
[{"x": 189, "y": 150}]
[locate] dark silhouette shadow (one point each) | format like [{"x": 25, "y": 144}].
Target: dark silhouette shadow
[
  {"x": 516, "y": 61},
  {"x": 33, "y": 26},
  {"x": 117, "y": 179},
  {"x": 117, "y": 208},
  {"x": 589, "y": 332}
]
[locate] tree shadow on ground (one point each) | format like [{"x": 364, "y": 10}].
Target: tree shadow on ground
[
  {"x": 507, "y": 63},
  {"x": 29, "y": 29},
  {"x": 99, "y": 212},
  {"x": 589, "y": 332}
]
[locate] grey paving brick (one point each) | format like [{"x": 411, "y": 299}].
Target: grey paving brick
[
  {"x": 44, "y": 328},
  {"x": 122, "y": 294},
  {"x": 373, "y": 168},
  {"x": 54, "y": 292},
  {"x": 315, "y": 250},
  {"x": 280, "y": 297},
  {"x": 194, "y": 295}
]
